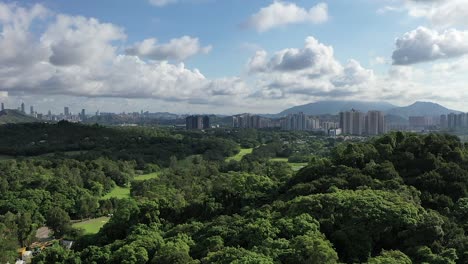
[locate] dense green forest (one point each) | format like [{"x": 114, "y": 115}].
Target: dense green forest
[{"x": 399, "y": 198}]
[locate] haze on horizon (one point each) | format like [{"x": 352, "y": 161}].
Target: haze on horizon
[{"x": 213, "y": 56}]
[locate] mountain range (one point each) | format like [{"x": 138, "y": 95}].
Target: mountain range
[{"x": 334, "y": 107}]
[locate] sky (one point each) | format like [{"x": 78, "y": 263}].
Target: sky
[{"x": 230, "y": 56}]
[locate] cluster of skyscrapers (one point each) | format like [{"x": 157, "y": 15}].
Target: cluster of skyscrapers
[
  {"x": 358, "y": 123},
  {"x": 454, "y": 121},
  {"x": 300, "y": 122},
  {"x": 251, "y": 121},
  {"x": 349, "y": 122},
  {"x": 197, "y": 122},
  {"x": 66, "y": 115}
]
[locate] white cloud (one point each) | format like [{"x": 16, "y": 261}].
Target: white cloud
[
  {"x": 353, "y": 74},
  {"x": 79, "y": 40},
  {"x": 160, "y": 3},
  {"x": 423, "y": 44},
  {"x": 78, "y": 56},
  {"x": 311, "y": 71},
  {"x": 177, "y": 49},
  {"x": 17, "y": 44},
  {"x": 315, "y": 58},
  {"x": 284, "y": 13},
  {"x": 379, "y": 60},
  {"x": 440, "y": 13}
]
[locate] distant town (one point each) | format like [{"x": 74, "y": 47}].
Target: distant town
[{"x": 352, "y": 122}]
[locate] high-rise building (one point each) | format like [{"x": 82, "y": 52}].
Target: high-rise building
[
  {"x": 3, "y": 107},
  {"x": 22, "y": 108},
  {"x": 250, "y": 121},
  {"x": 66, "y": 111},
  {"x": 329, "y": 125},
  {"x": 452, "y": 121},
  {"x": 357, "y": 123},
  {"x": 297, "y": 122},
  {"x": 194, "y": 122},
  {"x": 443, "y": 121},
  {"x": 206, "y": 122},
  {"x": 83, "y": 114},
  {"x": 375, "y": 123},
  {"x": 346, "y": 122},
  {"x": 462, "y": 120},
  {"x": 31, "y": 110}
]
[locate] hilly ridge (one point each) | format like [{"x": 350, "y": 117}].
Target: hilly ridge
[
  {"x": 421, "y": 109},
  {"x": 334, "y": 107},
  {"x": 9, "y": 116}
]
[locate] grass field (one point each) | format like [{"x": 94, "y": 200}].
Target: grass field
[
  {"x": 240, "y": 155},
  {"x": 92, "y": 226},
  {"x": 145, "y": 177},
  {"x": 294, "y": 166},
  {"x": 118, "y": 192},
  {"x": 297, "y": 166}
]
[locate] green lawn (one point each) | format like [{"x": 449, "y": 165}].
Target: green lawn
[
  {"x": 294, "y": 166},
  {"x": 145, "y": 177},
  {"x": 118, "y": 192},
  {"x": 92, "y": 226},
  {"x": 240, "y": 155},
  {"x": 279, "y": 159},
  {"x": 297, "y": 166}
]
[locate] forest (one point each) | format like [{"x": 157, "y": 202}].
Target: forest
[{"x": 397, "y": 198}]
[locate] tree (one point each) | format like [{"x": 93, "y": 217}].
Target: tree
[
  {"x": 58, "y": 220},
  {"x": 312, "y": 248},
  {"x": 230, "y": 255},
  {"x": 56, "y": 254},
  {"x": 129, "y": 254},
  {"x": 8, "y": 243},
  {"x": 391, "y": 257},
  {"x": 26, "y": 228}
]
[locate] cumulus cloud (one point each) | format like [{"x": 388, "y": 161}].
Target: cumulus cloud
[
  {"x": 17, "y": 44},
  {"x": 312, "y": 71},
  {"x": 80, "y": 40},
  {"x": 440, "y": 13},
  {"x": 79, "y": 56},
  {"x": 353, "y": 74},
  {"x": 177, "y": 49},
  {"x": 160, "y": 3},
  {"x": 315, "y": 58},
  {"x": 423, "y": 44},
  {"x": 284, "y": 13}
]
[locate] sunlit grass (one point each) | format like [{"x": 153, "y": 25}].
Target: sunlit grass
[
  {"x": 118, "y": 192},
  {"x": 294, "y": 166},
  {"x": 92, "y": 226},
  {"x": 145, "y": 177},
  {"x": 240, "y": 155}
]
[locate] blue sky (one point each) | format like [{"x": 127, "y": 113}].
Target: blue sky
[{"x": 197, "y": 55}]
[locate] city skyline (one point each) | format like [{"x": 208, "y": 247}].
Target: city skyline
[{"x": 189, "y": 56}]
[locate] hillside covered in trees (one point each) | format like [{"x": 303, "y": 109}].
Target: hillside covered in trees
[{"x": 399, "y": 198}]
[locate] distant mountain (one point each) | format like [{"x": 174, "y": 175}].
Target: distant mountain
[
  {"x": 420, "y": 109},
  {"x": 396, "y": 120},
  {"x": 8, "y": 116},
  {"x": 334, "y": 107}
]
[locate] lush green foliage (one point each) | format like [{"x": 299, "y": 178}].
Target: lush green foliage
[{"x": 400, "y": 198}]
